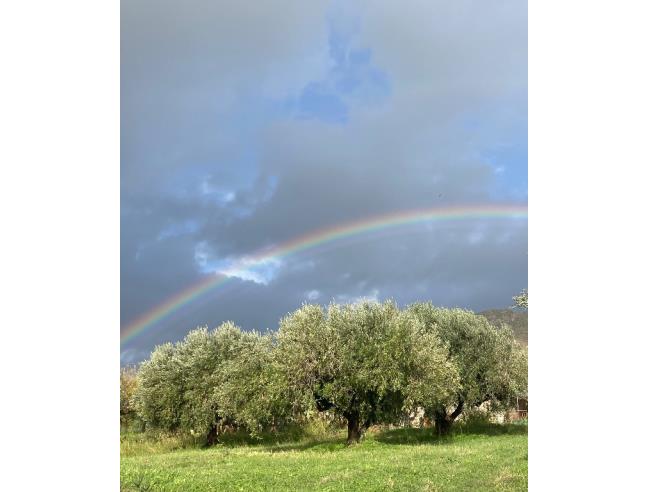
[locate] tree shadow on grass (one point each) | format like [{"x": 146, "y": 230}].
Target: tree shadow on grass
[
  {"x": 410, "y": 436},
  {"x": 293, "y": 440},
  {"x": 241, "y": 437},
  {"x": 321, "y": 445},
  {"x": 406, "y": 436},
  {"x": 298, "y": 440},
  {"x": 489, "y": 429}
]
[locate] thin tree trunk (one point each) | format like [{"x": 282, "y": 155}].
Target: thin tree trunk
[
  {"x": 353, "y": 428},
  {"x": 443, "y": 422},
  {"x": 212, "y": 436}
]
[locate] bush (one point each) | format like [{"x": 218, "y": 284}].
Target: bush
[{"x": 127, "y": 388}]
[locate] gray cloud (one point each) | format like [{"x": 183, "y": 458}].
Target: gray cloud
[{"x": 215, "y": 154}]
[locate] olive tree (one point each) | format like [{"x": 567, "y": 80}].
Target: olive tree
[
  {"x": 178, "y": 385},
  {"x": 252, "y": 389},
  {"x": 127, "y": 387},
  {"x": 522, "y": 299},
  {"x": 158, "y": 398},
  {"x": 365, "y": 362},
  {"x": 491, "y": 364}
]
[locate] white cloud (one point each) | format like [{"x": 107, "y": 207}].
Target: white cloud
[
  {"x": 313, "y": 295},
  {"x": 373, "y": 296},
  {"x": 245, "y": 267},
  {"x": 260, "y": 272},
  {"x": 179, "y": 229},
  {"x": 201, "y": 255},
  {"x": 132, "y": 356},
  {"x": 476, "y": 237}
]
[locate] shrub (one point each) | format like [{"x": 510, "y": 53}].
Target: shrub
[{"x": 127, "y": 388}]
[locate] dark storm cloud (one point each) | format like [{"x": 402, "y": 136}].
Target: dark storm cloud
[{"x": 244, "y": 129}]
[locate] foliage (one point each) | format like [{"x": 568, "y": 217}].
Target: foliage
[
  {"x": 127, "y": 387},
  {"x": 251, "y": 390},
  {"x": 491, "y": 364},
  {"x": 179, "y": 384},
  {"x": 365, "y": 362},
  {"x": 362, "y": 364},
  {"x": 158, "y": 398},
  {"x": 522, "y": 299}
]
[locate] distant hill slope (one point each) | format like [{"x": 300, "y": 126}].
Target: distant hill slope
[{"x": 517, "y": 320}]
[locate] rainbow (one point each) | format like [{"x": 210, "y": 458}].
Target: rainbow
[{"x": 317, "y": 238}]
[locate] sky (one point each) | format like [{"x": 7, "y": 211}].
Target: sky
[{"x": 245, "y": 125}]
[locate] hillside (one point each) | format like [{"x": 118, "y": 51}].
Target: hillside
[{"x": 517, "y": 320}]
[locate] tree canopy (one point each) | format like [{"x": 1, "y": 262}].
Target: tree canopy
[
  {"x": 490, "y": 362},
  {"x": 522, "y": 299},
  {"x": 179, "y": 385},
  {"x": 365, "y": 362},
  {"x": 127, "y": 388}
]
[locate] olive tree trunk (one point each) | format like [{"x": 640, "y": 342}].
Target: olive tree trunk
[
  {"x": 354, "y": 431},
  {"x": 212, "y": 436},
  {"x": 443, "y": 421}
]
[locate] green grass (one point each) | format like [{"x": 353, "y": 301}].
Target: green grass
[{"x": 488, "y": 457}]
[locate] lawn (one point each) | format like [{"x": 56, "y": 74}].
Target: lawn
[{"x": 492, "y": 457}]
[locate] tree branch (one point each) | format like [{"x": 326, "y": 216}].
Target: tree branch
[{"x": 458, "y": 410}]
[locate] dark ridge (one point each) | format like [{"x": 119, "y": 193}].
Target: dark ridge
[{"x": 518, "y": 320}]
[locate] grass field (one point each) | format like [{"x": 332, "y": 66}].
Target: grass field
[{"x": 492, "y": 457}]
